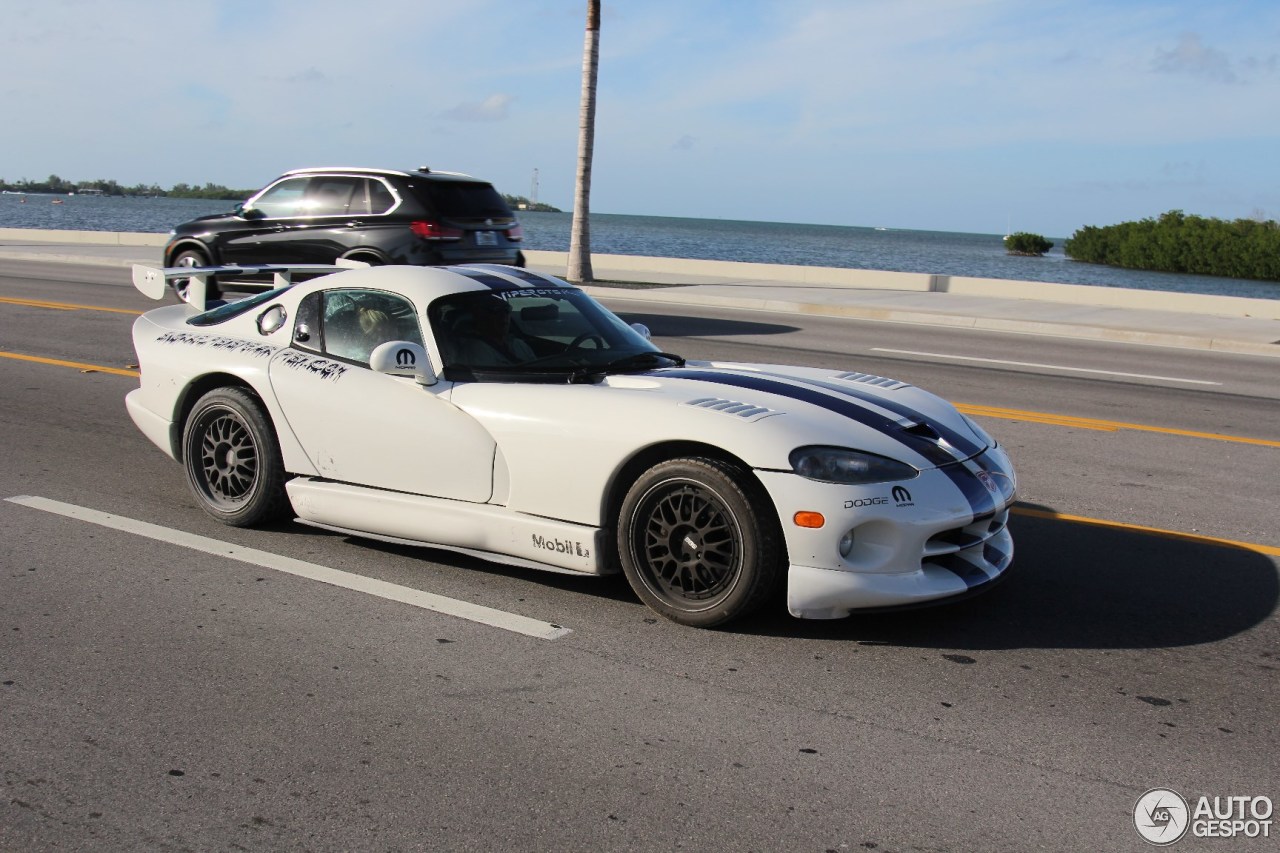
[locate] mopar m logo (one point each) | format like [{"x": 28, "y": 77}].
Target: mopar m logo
[
  {"x": 405, "y": 358},
  {"x": 901, "y": 496}
]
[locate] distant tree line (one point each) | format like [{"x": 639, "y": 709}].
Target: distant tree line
[
  {"x": 519, "y": 203},
  {"x": 1176, "y": 242},
  {"x": 60, "y": 186}
]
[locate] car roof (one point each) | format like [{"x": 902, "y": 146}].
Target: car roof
[
  {"x": 426, "y": 284},
  {"x": 420, "y": 172}
]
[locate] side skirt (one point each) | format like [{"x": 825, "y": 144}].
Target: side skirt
[{"x": 479, "y": 530}]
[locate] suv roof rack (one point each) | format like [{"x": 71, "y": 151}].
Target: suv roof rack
[
  {"x": 422, "y": 170},
  {"x": 311, "y": 169}
]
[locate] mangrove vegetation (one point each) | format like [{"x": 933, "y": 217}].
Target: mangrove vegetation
[{"x": 1177, "y": 242}]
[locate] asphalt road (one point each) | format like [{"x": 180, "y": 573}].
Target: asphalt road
[{"x": 158, "y": 697}]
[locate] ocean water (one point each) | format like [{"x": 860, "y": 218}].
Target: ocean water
[{"x": 898, "y": 250}]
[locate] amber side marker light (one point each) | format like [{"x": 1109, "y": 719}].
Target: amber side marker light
[{"x": 812, "y": 520}]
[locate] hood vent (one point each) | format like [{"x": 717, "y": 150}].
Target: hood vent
[
  {"x": 748, "y": 411},
  {"x": 872, "y": 379}
]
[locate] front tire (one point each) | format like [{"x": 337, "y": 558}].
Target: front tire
[
  {"x": 233, "y": 459},
  {"x": 699, "y": 541}
]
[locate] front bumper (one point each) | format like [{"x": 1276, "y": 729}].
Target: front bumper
[
  {"x": 941, "y": 535},
  {"x": 814, "y": 593}
]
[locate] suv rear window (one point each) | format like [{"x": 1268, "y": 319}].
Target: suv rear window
[{"x": 463, "y": 200}]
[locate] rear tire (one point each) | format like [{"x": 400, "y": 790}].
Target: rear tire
[
  {"x": 699, "y": 541},
  {"x": 233, "y": 459}
]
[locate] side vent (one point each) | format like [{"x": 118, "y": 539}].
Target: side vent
[
  {"x": 872, "y": 379},
  {"x": 747, "y": 411}
]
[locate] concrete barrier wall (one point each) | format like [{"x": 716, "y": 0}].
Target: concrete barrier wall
[
  {"x": 660, "y": 270},
  {"x": 84, "y": 238},
  {"x": 1113, "y": 297},
  {"x": 636, "y": 268}
]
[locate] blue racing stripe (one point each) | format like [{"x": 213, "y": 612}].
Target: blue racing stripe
[
  {"x": 488, "y": 279},
  {"x": 805, "y": 395},
  {"x": 965, "y": 446},
  {"x": 535, "y": 279},
  {"x": 963, "y": 569},
  {"x": 975, "y": 493}
]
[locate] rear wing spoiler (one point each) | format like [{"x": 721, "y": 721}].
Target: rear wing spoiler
[{"x": 154, "y": 282}]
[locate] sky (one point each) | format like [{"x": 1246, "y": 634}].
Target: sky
[{"x": 979, "y": 116}]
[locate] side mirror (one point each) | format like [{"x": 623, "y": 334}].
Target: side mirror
[
  {"x": 641, "y": 329},
  {"x": 401, "y": 358},
  {"x": 250, "y": 213}
]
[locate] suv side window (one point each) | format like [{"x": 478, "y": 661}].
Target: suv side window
[
  {"x": 356, "y": 321},
  {"x": 381, "y": 199},
  {"x": 330, "y": 196},
  {"x": 283, "y": 200},
  {"x": 371, "y": 196}
]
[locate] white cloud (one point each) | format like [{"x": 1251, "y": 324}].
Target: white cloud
[
  {"x": 1191, "y": 56},
  {"x": 492, "y": 108}
]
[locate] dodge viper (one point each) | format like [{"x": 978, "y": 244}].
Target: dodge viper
[{"x": 507, "y": 415}]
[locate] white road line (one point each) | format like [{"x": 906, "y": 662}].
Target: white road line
[
  {"x": 406, "y": 595},
  {"x": 1043, "y": 366}
]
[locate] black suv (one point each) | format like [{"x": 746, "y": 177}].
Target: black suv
[{"x": 379, "y": 216}]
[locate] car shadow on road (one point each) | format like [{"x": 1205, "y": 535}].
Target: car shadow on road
[
  {"x": 1073, "y": 586},
  {"x": 1080, "y": 586},
  {"x": 670, "y": 326}
]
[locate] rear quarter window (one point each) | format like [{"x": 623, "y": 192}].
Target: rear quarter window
[{"x": 462, "y": 200}]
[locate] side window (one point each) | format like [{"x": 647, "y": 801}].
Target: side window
[
  {"x": 360, "y": 198},
  {"x": 356, "y": 321},
  {"x": 284, "y": 199},
  {"x": 371, "y": 196},
  {"x": 380, "y": 198},
  {"x": 308, "y": 331},
  {"x": 329, "y": 196}
]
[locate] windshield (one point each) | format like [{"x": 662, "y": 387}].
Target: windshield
[{"x": 533, "y": 332}]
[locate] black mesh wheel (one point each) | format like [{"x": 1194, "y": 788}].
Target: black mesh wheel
[
  {"x": 233, "y": 459},
  {"x": 699, "y": 541}
]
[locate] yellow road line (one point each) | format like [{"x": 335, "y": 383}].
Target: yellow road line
[
  {"x": 82, "y": 367},
  {"x": 1017, "y": 510},
  {"x": 968, "y": 408},
  {"x": 1109, "y": 426},
  {"x": 1156, "y": 531},
  {"x": 65, "y": 306}
]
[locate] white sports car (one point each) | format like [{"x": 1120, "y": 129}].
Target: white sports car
[{"x": 505, "y": 414}]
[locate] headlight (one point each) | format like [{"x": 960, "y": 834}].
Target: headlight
[
  {"x": 981, "y": 433},
  {"x": 851, "y": 467}
]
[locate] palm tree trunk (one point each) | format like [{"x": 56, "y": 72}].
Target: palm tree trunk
[{"x": 579, "y": 269}]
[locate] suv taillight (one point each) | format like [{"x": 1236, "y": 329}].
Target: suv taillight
[
  {"x": 515, "y": 233},
  {"x": 429, "y": 229}
]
